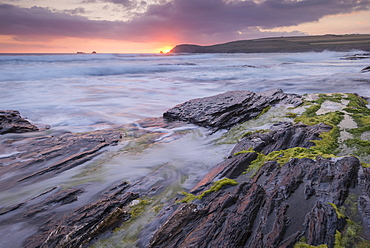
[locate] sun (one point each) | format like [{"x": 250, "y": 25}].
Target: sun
[{"x": 165, "y": 49}]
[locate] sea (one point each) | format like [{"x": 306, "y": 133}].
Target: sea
[{"x": 86, "y": 92}]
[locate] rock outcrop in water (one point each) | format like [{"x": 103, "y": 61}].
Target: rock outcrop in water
[
  {"x": 276, "y": 208},
  {"x": 295, "y": 194},
  {"x": 85, "y": 223},
  {"x": 230, "y": 108},
  {"x": 291, "y": 190},
  {"x": 366, "y": 69},
  {"x": 12, "y": 122}
]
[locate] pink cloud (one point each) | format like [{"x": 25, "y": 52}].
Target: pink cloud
[{"x": 202, "y": 21}]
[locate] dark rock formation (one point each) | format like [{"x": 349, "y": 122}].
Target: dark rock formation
[
  {"x": 366, "y": 69},
  {"x": 275, "y": 208},
  {"x": 275, "y": 205},
  {"x": 364, "y": 199},
  {"x": 57, "y": 217},
  {"x": 227, "y": 109},
  {"x": 283, "y": 136},
  {"x": 357, "y": 56},
  {"x": 12, "y": 122},
  {"x": 85, "y": 223},
  {"x": 39, "y": 158}
]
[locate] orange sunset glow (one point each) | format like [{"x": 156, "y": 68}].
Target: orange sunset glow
[{"x": 110, "y": 26}]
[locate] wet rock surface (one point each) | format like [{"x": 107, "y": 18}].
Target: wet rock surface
[
  {"x": 12, "y": 122},
  {"x": 227, "y": 109},
  {"x": 357, "y": 56},
  {"x": 276, "y": 208},
  {"x": 58, "y": 217},
  {"x": 277, "y": 205},
  {"x": 85, "y": 223},
  {"x": 366, "y": 69}
]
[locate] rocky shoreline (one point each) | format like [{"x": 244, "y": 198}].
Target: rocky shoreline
[{"x": 303, "y": 182}]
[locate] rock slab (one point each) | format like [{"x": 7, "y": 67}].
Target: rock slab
[
  {"x": 227, "y": 109},
  {"x": 277, "y": 207},
  {"x": 12, "y": 122}
]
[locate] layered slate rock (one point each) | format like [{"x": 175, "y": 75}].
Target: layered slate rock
[
  {"x": 58, "y": 217},
  {"x": 12, "y": 122},
  {"x": 227, "y": 109},
  {"x": 283, "y": 136},
  {"x": 32, "y": 159},
  {"x": 39, "y": 158},
  {"x": 85, "y": 223},
  {"x": 277, "y": 207}
]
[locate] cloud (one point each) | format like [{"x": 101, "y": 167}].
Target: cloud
[
  {"x": 75, "y": 11},
  {"x": 201, "y": 21},
  {"x": 41, "y": 22},
  {"x": 207, "y": 21}
]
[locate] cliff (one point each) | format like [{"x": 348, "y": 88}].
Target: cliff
[{"x": 284, "y": 44}]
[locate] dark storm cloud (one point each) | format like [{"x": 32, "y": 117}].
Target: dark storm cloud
[
  {"x": 196, "y": 20},
  {"x": 37, "y": 21}
]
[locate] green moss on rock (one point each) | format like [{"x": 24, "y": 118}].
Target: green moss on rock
[
  {"x": 304, "y": 245},
  {"x": 362, "y": 146},
  {"x": 217, "y": 185}
]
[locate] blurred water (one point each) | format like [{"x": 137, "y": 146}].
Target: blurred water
[{"x": 82, "y": 92}]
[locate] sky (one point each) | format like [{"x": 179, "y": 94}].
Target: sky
[{"x": 151, "y": 26}]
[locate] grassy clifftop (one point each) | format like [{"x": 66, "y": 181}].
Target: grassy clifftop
[{"x": 284, "y": 44}]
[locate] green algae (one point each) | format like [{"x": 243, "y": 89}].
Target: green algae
[
  {"x": 254, "y": 132},
  {"x": 250, "y": 150},
  {"x": 311, "y": 111},
  {"x": 284, "y": 156},
  {"x": 338, "y": 240},
  {"x": 362, "y": 146},
  {"x": 268, "y": 115},
  {"x": 339, "y": 212},
  {"x": 335, "y": 97},
  {"x": 217, "y": 185},
  {"x": 327, "y": 146},
  {"x": 137, "y": 209},
  {"x": 265, "y": 110},
  {"x": 350, "y": 236},
  {"x": 324, "y": 147},
  {"x": 303, "y": 244},
  {"x": 328, "y": 142},
  {"x": 357, "y": 105},
  {"x": 291, "y": 115},
  {"x": 365, "y": 165}
]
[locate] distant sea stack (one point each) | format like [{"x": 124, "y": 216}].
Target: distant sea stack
[{"x": 340, "y": 43}]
